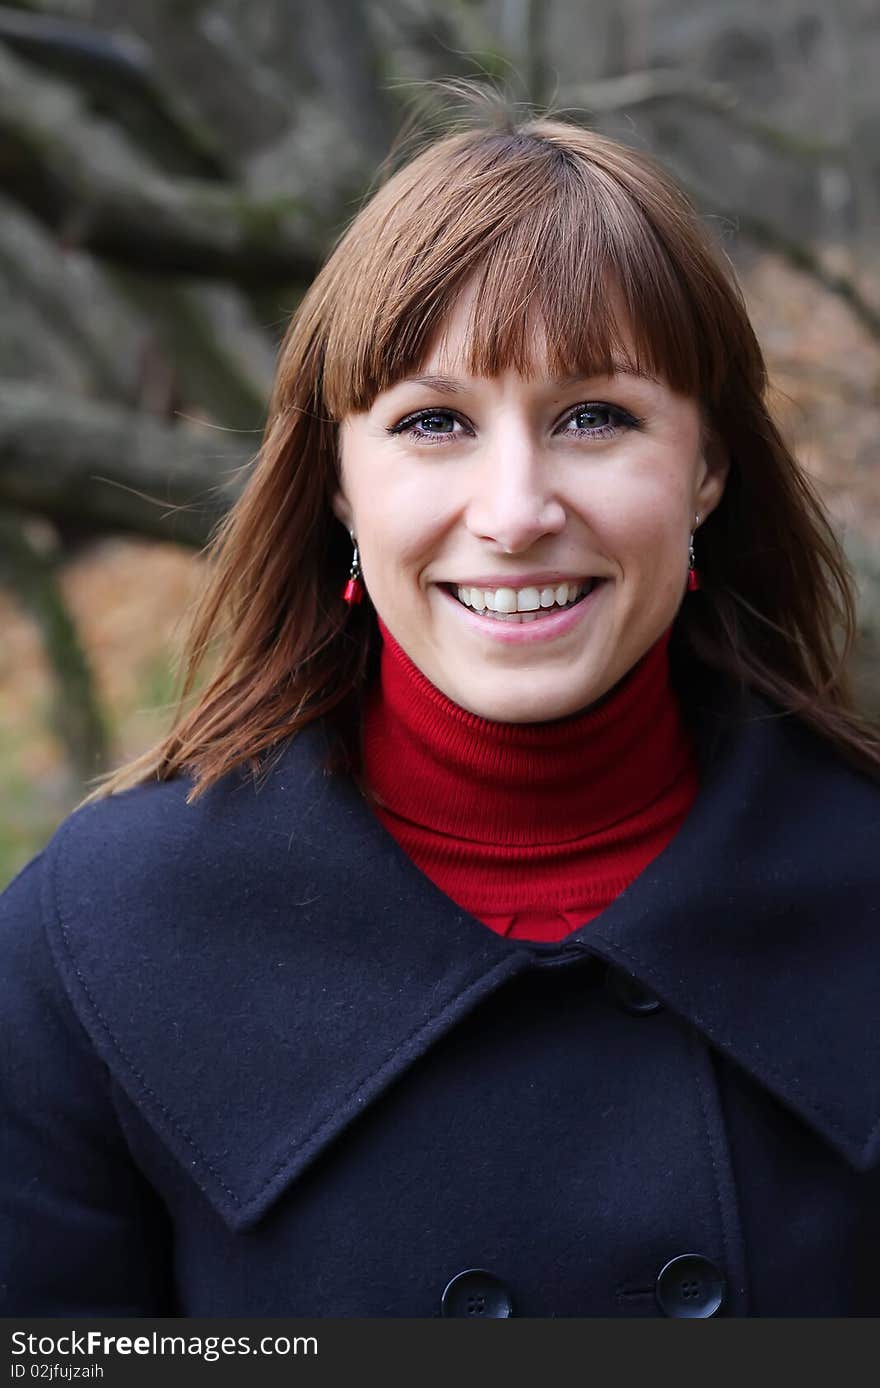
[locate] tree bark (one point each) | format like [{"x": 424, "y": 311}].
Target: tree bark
[
  {"x": 75, "y": 715},
  {"x": 112, "y": 470},
  {"x": 117, "y": 72},
  {"x": 85, "y": 182}
]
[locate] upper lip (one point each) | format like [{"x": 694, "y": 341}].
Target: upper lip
[{"x": 543, "y": 578}]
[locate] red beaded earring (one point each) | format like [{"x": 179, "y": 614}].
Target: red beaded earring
[
  {"x": 693, "y": 571},
  {"x": 354, "y": 588}
]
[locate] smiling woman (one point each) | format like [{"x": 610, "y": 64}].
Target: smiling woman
[
  {"x": 536, "y": 266},
  {"x": 451, "y": 953}
]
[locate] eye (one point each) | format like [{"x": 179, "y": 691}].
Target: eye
[
  {"x": 605, "y": 420},
  {"x": 433, "y": 426},
  {"x": 421, "y": 425}
]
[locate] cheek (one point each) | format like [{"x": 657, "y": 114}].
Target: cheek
[
  {"x": 642, "y": 533},
  {"x": 642, "y": 528},
  {"x": 407, "y": 524},
  {"x": 394, "y": 545},
  {"x": 649, "y": 500}
]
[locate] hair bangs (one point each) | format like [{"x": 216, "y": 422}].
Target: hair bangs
[{"x": 566, "y": 270}]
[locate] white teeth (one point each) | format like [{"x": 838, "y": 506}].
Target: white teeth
[{"x": 510, "y": 600}]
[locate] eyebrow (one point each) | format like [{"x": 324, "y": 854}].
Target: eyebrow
[{"x": 448, "y": 385}]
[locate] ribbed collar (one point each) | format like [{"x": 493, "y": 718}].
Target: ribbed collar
[{"x": 436, "y": 764}]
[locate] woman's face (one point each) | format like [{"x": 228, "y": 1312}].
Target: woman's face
[{"x": 518, "y": 483}]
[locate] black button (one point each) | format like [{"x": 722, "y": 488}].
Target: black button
[
  {"x": 690, "y": 1286},
  {"x": 626, "y": 992},
  {"x": 562, "y": 954},
  {"x": 476, "y": 1292}
]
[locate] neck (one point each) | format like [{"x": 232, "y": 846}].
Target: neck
[
  {"x": 531, "y": 783},
  {"x": 533, "y": 828}
]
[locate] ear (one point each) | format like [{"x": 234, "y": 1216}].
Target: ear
[
  {"x": 712, "y": 476},
  {"x": 339, "y": 501},
  {"x": 342, "y": 510}
]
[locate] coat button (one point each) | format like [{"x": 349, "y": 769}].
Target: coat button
[
  {"x": 476, "y": 1292},
  {"x": 690, "y": 1286},
  {"x": 628, "y": 993}
]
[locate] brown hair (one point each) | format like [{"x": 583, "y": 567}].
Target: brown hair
[{"x": 538, "y": 212}]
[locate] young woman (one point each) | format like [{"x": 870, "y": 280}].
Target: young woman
[{"x": 496, "y": 931}]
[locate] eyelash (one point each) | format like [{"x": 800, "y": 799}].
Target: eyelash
[{"x": 622, "y": 417}]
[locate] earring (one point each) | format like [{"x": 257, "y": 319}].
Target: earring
[
  {"x": 354, "y": 588},
  {"x": 693, "y": 571}
]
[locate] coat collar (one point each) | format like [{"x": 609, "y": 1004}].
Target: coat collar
[{"x": 266, "y": 961}]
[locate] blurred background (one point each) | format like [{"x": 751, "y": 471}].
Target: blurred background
[{"x": 171, "y": 174}]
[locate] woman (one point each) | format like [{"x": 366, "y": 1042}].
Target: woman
[{"x": 496, "y": 933}]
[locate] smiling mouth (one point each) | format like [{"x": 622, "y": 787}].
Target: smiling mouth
[{"x": 517, "y": 618}]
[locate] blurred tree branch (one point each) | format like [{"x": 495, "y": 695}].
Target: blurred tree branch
[
  {"x": 113, "y": 470},
  {"x": 200, "y": 362},
  {"x": 797, "y": 254},
  {"x": 122, "y": 210},
  {"x": 670, "y": 84},
  {"x": 75, "y": 715},
  {"x": 118, "y": 75},
  {"x": 47, "y": 162},
  {"x": 349, "y": 65}
]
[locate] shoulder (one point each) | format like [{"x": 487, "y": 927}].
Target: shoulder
[
  {"x": 66, "y": 903},
  {"x": 52, "y": 1072},
  {"x": 797, "y": 820},
  {"x": 131, "y": 877},
  {"x": 805, "y": 758},
  {"x": 754, "y": 744},
  {"x": 156, "y": 842},
  {"x": 64, "y": 1165}
]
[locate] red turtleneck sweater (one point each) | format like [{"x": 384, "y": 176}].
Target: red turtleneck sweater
[{"x": 533, "y": 828}]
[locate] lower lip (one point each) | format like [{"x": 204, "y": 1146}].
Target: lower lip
[{"x": 518, "y": 633}]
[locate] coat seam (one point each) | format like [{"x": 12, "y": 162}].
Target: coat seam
[
  {"x": 698, "y": 1056},
  {"x": 713, "y": 1160}
]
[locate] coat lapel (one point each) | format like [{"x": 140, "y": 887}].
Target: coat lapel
[
  {"x": 256, "y": 968},
  {"x": 760, "y": 925}
]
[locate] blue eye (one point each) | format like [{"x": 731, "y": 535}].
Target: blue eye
[
  {"x": 410, "y": 425},
  {"x": 604, "y": 419},
  {"x": 611, "y": 420}
]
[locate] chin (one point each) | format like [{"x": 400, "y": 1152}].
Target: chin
[{"x": 507, "y": 709}]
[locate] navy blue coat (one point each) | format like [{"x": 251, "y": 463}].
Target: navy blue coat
[{"x": 255, "y": 1063}]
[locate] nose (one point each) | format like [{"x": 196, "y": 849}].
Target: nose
[{"x": 514, "y": 500}]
